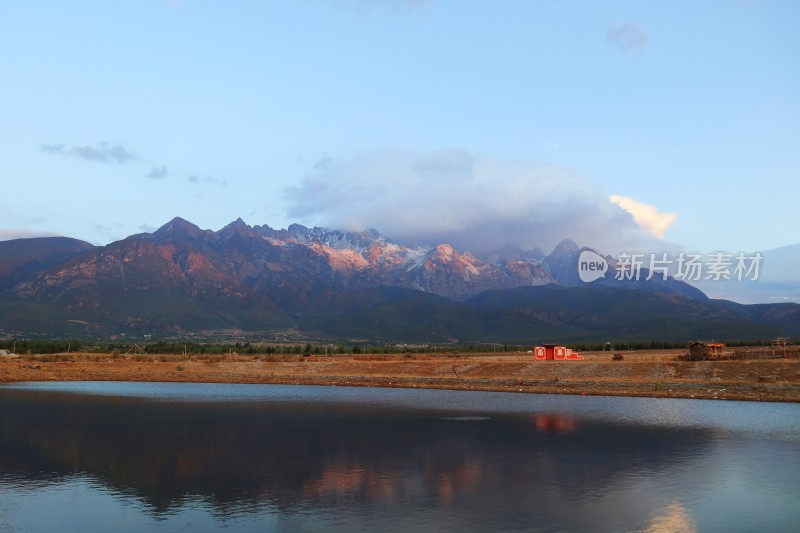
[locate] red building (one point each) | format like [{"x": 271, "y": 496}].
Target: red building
[{"x": 551, "y": 352}]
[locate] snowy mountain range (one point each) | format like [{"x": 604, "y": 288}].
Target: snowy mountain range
[{"x": 181, "y": 279}]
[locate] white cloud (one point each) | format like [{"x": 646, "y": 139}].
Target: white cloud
[
  {"x": 207, "y": 180},
  {"x": 7, "y": 234},
  {"x": 365, "y": 7},
  {"x": 627, "y": 37},
  {"x": 158, "y": 173},
  {"x": 647, "y": 216},
  {"x": 101, "y": 152},
  {"x": 476, "y": 203}
]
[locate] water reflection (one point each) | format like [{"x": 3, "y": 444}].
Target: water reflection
[
  {"x": 342, "y": 466},
  {"x": 673, "y": 519},
  {"x": 555, "y": 423}
]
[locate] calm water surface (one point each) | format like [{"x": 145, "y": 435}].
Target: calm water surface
[{"x": 137, "y": 456}]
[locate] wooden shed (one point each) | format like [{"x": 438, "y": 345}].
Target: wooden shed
[{"x": 702, "y": 350}]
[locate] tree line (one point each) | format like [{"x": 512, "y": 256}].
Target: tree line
[{"x": 50, "y": 346}]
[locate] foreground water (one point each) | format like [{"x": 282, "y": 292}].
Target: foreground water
[{"x": 134, "y": 456}]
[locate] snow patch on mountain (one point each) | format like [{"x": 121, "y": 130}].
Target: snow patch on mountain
[{"x": 342, "y": 261}]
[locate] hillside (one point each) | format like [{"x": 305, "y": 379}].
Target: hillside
[{"x": 20, "y": 258}]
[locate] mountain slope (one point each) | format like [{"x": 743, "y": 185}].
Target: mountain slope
[
  {"x": 20, "y": 258},
  {"x": 589, "y": 313},
  {"x": 166, "y": 281}
]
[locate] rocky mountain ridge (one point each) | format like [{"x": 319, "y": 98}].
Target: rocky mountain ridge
[
  {"x": 242, "y": 256},
  {"x": 181, "y": 278}
]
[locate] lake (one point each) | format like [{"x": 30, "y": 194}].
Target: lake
[{"x": 99, "y": 456}]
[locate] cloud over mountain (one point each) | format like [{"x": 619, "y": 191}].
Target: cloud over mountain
[
  {"x": 477, "y": 203},
  {"x": 647, "y": 216},
  {"x": 7, "y": 234}
]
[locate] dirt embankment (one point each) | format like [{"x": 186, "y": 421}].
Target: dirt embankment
[{"x": 655, "y": 374}]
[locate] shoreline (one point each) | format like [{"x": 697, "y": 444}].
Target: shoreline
[{"x": 640, "y": 375}]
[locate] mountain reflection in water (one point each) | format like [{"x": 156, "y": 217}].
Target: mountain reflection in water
[{"x": 360, "y": 465}]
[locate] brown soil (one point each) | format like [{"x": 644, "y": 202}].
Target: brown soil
[{"x": 648, "y": 373}]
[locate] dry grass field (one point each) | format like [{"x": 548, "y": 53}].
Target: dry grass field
[{"x": 642, "y": 373}]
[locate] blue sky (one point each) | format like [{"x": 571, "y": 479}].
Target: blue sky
[{"x": 482, "y": 123}]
